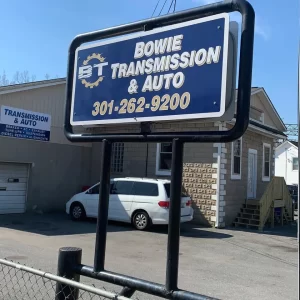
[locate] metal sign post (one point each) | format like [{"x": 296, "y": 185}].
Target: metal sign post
[{"x": 174, "y": 67}]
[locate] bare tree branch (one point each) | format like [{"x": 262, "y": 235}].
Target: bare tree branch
[
  {"x": 3, "y": 79},
  {"x": 18, "y": 78}
]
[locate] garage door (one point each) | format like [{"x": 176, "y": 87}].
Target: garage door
[{"x": 13, "y": 188}]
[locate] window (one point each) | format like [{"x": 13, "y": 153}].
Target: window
[
  {"x": 295, "y": 164},
  {"x": 117, "y": 157},
  {"x": 94, "y": 190},
  {"x": 145, "y": 189},
  {"x": 266, "y": 162},
  {"x": 168, "y": 190},
  {"x": 121, "y": 188},
  {"x": 256, "y": 114},
  {"x": 164, "y": 159},
  {"x": 236, "y": 158}
]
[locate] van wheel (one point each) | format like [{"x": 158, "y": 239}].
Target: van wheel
[
  {"x": 77, "y": 212},
  {"x": 141, "y": 220}
]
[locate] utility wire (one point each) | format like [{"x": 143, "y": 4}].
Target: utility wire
[
  {"x": 155, "y": 8},
  {"x": 162, "y": 7},
  {"x": 171, "y": 6},
  {"x": 173, "y": 2}
]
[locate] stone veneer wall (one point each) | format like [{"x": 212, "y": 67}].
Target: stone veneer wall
[{"x": 200, "y": 182}]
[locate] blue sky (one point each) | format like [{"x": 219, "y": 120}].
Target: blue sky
[{"x": 35, "y": 36}]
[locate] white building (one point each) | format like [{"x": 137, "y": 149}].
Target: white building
[{"x": 286, "y": 162}]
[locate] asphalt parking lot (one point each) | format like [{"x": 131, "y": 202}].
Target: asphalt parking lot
[{"x": 226, "y": 264}]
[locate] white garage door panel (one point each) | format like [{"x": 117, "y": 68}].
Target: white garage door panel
[
  {"x": 21, "y": 179},
  {"x": 14, "y": 210},
  {"x": 16, "y": 167},
  {"x": 13, "y": 194},
  {"x": 18, "y": 172},
  {"x": 11, "y": 199},
  {"x": 13, "y": 186}
]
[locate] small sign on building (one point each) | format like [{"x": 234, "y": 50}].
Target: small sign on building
[{"x": 24, "y": 124}]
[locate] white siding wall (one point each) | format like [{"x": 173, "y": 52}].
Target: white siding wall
[{"x": 284, "y": 163}]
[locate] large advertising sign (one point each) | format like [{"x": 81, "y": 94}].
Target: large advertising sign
[
  {"x": 20, "y": 123},
  {"x": 172, "y": 73}
]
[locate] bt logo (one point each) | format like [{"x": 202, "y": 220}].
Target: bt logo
[{"x": 86, "y": 70}]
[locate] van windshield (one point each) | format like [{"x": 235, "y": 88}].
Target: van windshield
[{"x": 168, "y": 187}]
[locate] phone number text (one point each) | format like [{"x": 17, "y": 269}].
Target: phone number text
[{"x": 133, "y": 105}]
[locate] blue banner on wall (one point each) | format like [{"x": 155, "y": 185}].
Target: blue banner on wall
[
  {"x": 172, "y": 73},
  {"x": 24, "y": 133}
]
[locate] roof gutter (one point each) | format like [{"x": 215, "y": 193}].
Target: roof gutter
[{"x": 265, "y": 127}]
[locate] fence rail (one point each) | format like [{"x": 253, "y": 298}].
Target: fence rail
[{"x": 22, "y": 282}]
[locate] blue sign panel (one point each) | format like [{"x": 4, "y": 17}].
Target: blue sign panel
[
  {"x": 24, "y": 133},
  {"x": 177, "y": 72}
]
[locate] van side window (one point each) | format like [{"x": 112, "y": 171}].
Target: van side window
[
  {"x": 145, "y": 189},
  {"x": 121, "y": 188},
  {"x": 95, "y": 189}
]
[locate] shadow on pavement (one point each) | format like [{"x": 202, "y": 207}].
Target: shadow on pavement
[
  {"x": 288, "y": 230},
  {"x": 192, "y": 231},
  {"x": 54, "y": 224}
]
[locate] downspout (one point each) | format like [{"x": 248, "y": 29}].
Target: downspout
[{"x": 218, "y": 180}]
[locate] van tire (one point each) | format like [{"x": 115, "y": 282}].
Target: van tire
[
  {"x": 77, "y": 212},
  {"x": 141, "y": 220}
]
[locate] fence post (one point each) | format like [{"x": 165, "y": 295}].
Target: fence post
[{"x": 68, "y": 257}]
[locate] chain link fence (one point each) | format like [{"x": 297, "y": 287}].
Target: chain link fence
[{"x": 19, "y": 282}]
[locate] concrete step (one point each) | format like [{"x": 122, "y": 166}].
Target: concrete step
[
  {"x": 248, "y": 216},
  {"x": 250, "y": 211},
  {"x": 247, "y": 221},
  {"x": 252, "y": 201},
  {"x": 251, "y": 206}
]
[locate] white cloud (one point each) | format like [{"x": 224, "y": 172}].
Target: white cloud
[
  {"x": 261, "y": 28},
  {"x": 262, "y": 32}
]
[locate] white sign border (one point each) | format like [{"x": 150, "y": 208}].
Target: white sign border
[{"x": 168, "y": 117}]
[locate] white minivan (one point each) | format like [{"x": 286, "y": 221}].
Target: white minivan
[{"x": 140, "y": 201}]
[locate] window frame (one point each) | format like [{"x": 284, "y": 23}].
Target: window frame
[
  {"x": 295, "y": 170},
  {"x": 158, "y": 171},
  {"x": 233, "y": 175},
  {"x": 117, "y": 158},
  {"x": 266, "y": 178}
]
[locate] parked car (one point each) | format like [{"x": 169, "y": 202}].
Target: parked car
[
  {"x": 140, "y": 201},
  {"x": 294, "y": 194}
]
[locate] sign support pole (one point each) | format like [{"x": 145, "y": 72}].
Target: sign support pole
[
  {"x": 174, "y": 216},
  {"x": 104, "y": 191}
]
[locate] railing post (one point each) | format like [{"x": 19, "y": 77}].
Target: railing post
[
  {"x": 273, "y": 215},
  {"x": 68, "y": 258},
  {"x": 174, "y": 216},
  {"x": 104, "y": 191}
]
